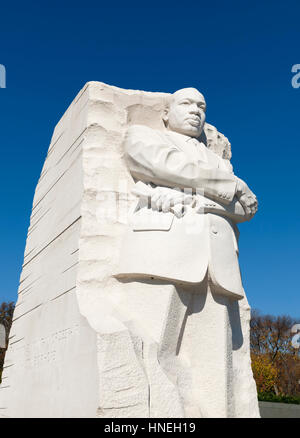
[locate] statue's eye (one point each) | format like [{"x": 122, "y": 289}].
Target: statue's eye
[{"x": 185, "y": 102}]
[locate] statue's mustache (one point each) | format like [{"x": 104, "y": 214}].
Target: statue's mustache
[{"x": 193, "y": 118}]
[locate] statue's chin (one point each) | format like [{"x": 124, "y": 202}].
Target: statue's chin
[
  {"x": 194, "y": 134},
  {"x": 191, "y": 131}
]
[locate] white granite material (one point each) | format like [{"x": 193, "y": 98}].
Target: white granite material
[{"x": 86, "y": 342}]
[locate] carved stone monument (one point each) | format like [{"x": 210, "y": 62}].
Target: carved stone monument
[{"x": 130, "y": 300}]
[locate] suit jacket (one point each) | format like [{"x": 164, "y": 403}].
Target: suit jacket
[{"x": 182, "y": 249}]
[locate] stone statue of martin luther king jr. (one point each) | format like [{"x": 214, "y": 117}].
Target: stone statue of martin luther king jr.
[{"x": 183, "y": 228}]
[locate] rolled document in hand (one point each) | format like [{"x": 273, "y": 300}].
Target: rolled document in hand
[
  {"x": 202, "y": 204},
  {"x": 142, "y": 190},
  {"x": 233, "y": 211}
]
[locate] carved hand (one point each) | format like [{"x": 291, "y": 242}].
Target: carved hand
[
  {"x": 165, "y": 199},
  {"x": 246, "y": 198}
]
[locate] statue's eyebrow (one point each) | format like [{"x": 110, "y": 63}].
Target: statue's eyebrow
[
  {"x": 192, "y": 100},
  {"x": 185, "y": 98}
]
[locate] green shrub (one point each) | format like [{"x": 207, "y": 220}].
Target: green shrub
[{"x": 271, "y": 397}]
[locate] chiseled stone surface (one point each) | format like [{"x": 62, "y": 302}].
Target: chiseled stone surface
[
  {"x": 87, "y": 344},
  {"x": 51, "y": 344}
]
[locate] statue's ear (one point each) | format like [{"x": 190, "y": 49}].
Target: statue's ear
[{"x": 165, "y": 116}]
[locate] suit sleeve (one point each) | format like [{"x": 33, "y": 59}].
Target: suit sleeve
[{"x": 151, "y": 159}]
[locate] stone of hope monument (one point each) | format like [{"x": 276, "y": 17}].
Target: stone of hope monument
[{"x": 130, "y": 301}]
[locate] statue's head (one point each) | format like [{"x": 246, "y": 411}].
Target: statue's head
[{"x": 185, "y": 112}]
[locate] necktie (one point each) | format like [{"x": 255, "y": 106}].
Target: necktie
[{"x": 199, "y": 148}]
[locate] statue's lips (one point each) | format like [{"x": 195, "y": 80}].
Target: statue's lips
[{"x": 194, "y": 121}]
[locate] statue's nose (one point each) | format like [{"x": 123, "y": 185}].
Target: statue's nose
[
  {"x": 195, "y": 113},
  {"x": 194, "y": 110}
]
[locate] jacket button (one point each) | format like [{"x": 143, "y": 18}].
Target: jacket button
[{"x": 214, "y": 230}]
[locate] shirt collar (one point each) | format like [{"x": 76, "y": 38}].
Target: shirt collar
[{"x": 181, "y": 137}]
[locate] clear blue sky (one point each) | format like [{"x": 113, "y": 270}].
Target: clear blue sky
[{"x": 238, "y": 53}]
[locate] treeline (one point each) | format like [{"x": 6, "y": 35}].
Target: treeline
[{"x": 275, "y": 358}]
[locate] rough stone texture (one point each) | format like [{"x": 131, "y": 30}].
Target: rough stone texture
[
  {"x": 51, "y": 343},
  {"x": 84, "y": 344}
]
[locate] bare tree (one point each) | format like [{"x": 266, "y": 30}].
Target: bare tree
[{"x": 271, "y": 336}]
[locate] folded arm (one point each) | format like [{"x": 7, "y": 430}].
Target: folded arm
[
  {"x": 168, "y": 199},
  {"x": 152, "y": 160}
]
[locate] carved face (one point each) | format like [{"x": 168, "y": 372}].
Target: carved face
[{"x": 186, "y": 113}]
